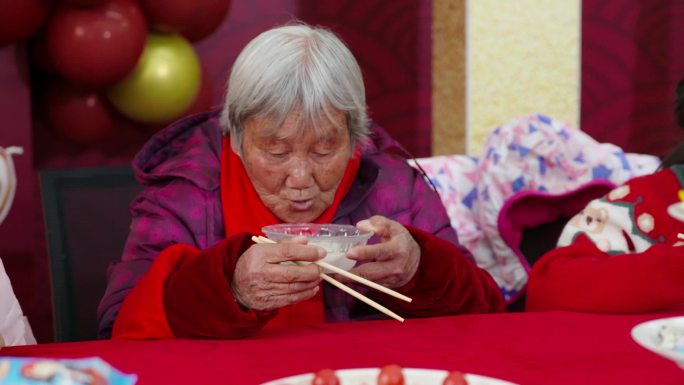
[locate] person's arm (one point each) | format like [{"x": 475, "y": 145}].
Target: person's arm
[
  {"x": 157, "y": 223},
  {"x": 198, "y": 298},
  {"x": 186, "y": 293},
  {"x": 14, "y": 327},
  {"x": 580, "y": 277},
  {"x": 153, "y": 228},
  {"x": 447, "y": 277},
  {"x": 447, "y": 282}
]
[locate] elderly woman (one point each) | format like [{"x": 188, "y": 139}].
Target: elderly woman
[{"x": 296, "y": 147}]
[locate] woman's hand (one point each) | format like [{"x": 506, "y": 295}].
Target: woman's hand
[
  {"x": 261, "y": 282},
  {"x": 393, "y": 261}
]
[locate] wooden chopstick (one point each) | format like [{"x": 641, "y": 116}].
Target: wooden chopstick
[
  {"x": 352, "y": 276},
  {"x": 361, "y": 297},
  {"x": 345, "y": 288},
  {"x": 364, "y": 281}
]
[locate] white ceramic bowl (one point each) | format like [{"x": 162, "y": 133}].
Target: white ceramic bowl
[
  {"x": 646, "y": 334},
  {"x": 335, "y": 239}
]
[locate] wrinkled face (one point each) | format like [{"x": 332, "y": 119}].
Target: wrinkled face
[{"x": 296, "y": 171}]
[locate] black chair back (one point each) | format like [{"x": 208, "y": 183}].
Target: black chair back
[{"x": 87, "y": 222}]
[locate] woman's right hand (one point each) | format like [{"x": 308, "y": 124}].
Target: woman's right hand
[{"x": 262, "y": 282}]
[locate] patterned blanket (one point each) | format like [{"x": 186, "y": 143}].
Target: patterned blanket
[{"x": 530, "y": 154}]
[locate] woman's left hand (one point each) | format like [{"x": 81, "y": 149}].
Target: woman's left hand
[{"x": 393, "y": 261}]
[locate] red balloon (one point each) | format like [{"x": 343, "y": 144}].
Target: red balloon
[
  {"x": 208, "y": 17},
  {"x": 21, "y": 19},
  {"x": 80, "y": 115},
  {"x": 169, "y": 15},
  {"x": 99, "y": 46}
]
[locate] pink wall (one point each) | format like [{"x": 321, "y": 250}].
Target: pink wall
[{"x": 392, "y": 42}]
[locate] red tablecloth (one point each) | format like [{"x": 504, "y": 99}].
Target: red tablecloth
[{"x": 527, "y": 348}]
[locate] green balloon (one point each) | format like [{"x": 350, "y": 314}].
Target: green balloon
[{"x": 164, "y": 83}]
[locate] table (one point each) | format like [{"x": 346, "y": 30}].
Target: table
[{"x": 526, "y": 348}]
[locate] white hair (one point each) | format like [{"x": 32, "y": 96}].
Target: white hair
[{"x": 292, "y": 67}]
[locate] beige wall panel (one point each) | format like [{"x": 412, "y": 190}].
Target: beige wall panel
[
  {"x": 522, "y": 58},
  {"x": 448, "y": 77}
]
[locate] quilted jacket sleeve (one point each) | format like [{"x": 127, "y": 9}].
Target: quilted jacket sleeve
[
  {"x": 155, "y": 226},
  {"x": 186, "y": 294},
  {"x": 447, "y": 282}
]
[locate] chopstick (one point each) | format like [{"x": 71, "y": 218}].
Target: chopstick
[
  {"x": 364, "y": 281},
  {"x": 344, "y": 288}
]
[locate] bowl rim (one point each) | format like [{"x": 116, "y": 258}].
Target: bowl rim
[{"x": 361, "y": 233}]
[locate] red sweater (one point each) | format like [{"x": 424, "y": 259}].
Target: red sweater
[
  {"x": 580, "y": 277},
  {"x": 186, "y": 293}
]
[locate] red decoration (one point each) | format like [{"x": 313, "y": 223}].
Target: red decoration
[
  {"x": 96, "y": 46},
  {"x": 208, "y": 17},
  {"x": 169, "y": 15},
  {"x": 21, "y": 19},
  {"x": 80, "y": 115}
]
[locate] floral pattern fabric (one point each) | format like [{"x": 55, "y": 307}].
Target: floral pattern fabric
[{"x": 535, "y": 153}]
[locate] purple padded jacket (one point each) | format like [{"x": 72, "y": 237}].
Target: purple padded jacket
[{"x": 180, "y": 166}]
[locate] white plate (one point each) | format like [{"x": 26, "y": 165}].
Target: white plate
[
  {"x": 646, "y": 335},
  {"x": 676, "y": 211},
  {"x": 368, "y": 376}
]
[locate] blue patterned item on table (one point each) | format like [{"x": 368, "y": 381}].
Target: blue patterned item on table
[{"x": 86, "y": 371}]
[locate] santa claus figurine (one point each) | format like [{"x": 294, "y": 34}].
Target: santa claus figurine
[{"x": 14, "y": 327}]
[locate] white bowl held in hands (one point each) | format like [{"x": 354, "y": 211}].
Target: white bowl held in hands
[{"x": 335, "y": 239}]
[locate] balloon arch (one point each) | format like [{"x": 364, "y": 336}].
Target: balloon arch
[{"x": 107, "y": 61}]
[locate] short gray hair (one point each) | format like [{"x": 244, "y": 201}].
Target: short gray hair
[{"x": 295, "y": 66}]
